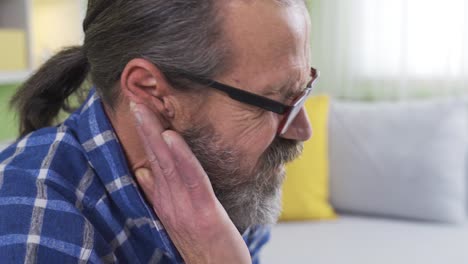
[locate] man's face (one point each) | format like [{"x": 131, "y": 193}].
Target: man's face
[{"x": 236, "y": 143}]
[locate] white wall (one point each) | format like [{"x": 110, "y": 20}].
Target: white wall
[{"x": 55, "y": 24}]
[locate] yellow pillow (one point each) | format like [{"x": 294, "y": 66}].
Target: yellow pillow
[{"x": 305, "y": 190}]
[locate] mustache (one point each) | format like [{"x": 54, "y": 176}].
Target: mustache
[
  {"x": 282, "y": 151},
  {"x": 214, "y": 159}
]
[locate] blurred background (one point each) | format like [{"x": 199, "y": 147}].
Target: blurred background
[
  {"x": 384, "y": 49},
  {"x": 31, "y": 31}
]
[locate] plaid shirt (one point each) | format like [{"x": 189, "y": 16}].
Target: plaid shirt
[{"x": 67, "y": 196}]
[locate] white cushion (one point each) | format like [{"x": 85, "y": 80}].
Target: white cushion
[
  {"x": 399, "y": 159},
  {"x": 366, "y": 241}
]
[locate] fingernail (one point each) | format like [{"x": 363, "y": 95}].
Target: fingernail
[
  {"x": 138, "y": 117},
  {"x": 142, "y": 176},
  {"x": 167, "y": 139},
  {"x": 135, "y": 112}
]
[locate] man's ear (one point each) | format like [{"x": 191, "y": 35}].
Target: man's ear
[{"x": 142, "y": 82}]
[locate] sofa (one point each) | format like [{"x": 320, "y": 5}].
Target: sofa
[
  {"x": 397, "y": 181},
  {"x": 352, "y": 239}
]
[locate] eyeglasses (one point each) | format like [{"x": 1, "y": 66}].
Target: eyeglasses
[{"x": 289, "y": 111}]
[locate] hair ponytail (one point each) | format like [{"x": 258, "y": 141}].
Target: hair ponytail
[
  {"x": 39, "y": 100},
  {"x": 180, "y": 37}
]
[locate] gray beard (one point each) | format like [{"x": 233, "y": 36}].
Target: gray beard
[{"x": 249, "y": 197}]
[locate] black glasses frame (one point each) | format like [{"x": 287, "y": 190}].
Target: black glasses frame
[{"x": 264, "y": 102}]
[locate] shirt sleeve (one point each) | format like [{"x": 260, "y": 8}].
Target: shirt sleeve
[{"x": 48, "y": 229}]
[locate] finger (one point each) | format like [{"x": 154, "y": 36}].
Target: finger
[
  {"x": 160, "y": 157},
  {"x": 153, "y": 182},
  {"x": 156, "y": 149},
  {"x": 192, "y": 173},
  {"x": 159, "y": 193}
]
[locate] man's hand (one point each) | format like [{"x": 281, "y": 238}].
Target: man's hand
[{"x": 183, "y": 198}]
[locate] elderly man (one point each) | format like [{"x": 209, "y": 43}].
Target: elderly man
[{"x": 177, "y": 155}]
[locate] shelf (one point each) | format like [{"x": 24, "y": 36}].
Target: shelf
[{"x": 13, "y": 77}]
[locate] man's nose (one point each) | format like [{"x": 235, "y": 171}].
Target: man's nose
[{"x": 300, "y": 129}]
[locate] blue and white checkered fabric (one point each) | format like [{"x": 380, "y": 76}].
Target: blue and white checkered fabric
[{"x": 67, "y": 196}]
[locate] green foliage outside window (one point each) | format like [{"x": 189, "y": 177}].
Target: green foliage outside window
[{"x": 8, "y": 124}]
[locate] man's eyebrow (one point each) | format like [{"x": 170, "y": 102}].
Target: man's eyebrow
[
  {"x": 282, "y": 88},
  {"x": 293, "y": 90},
  {"x": 287, "y": 88}
]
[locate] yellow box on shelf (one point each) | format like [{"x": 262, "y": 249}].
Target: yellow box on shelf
[{"x": 13, "y": 51}]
